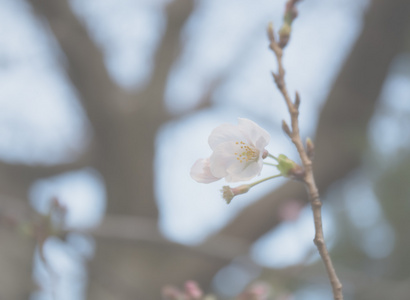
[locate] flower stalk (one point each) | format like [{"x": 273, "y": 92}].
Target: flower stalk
[{"x": 228, "y": 193}]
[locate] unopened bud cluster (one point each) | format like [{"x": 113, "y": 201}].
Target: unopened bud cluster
[{"x": 284, "y": 32}]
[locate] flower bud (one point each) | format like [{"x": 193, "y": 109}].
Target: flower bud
[
  {"x": 271, "y": 33},
  {"x": 310, "y": 148},
  {"x": 284, "y": 34},
  {"x": 297, "y": 100},
  {"x": 265, "y": 154},
  {"x": 228, "y": 193},
  {"x": 290, "y": 11},
  {"x": 192, "y": 290},
  {"x": 286, "y": 129}
]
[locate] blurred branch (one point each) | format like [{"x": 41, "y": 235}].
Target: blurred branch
[
  {"x": 127, "y": 229},
  {"x": 151, "y": 97},
  {"x": 123, "y": 229},
  {"x": 17, "y": 178},
  {"x": 100, "y": 97},
  {"x": 29, "y": 173}
]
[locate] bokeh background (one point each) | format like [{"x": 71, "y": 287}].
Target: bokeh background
[{"x": 105, "y": 105}]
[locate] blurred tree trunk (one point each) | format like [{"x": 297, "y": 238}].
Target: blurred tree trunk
[
  {"x": 125, "y": 126},
  {"x": 16, "y": 256}
]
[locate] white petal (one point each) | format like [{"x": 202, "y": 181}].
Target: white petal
[
  {"x": 222, "y": 158},
  {"x": 225, "y": 133},
  {"x": 224, "y": 163},
  {"x": 255, "y": 134},
  {"x": 201, "y": 171},
  {"x": 244, "y": 172}
]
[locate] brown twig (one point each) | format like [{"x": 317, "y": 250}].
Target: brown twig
[{"x": 306, "y": 158}]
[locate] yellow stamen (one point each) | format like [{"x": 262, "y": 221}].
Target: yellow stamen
[{"x": 250, "y": 153}]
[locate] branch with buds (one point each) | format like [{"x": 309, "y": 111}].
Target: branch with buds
[
  {"x": 239, "y": 150},
  {"x": 306, "y": 153}
]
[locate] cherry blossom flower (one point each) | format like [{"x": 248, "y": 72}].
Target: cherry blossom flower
[{"x": 238, "y": 153}]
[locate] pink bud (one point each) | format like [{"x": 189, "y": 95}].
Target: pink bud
[
  {"x": 265, "y": 154},
  {"x": 192, "y": 290}
]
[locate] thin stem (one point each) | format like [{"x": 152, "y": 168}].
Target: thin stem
[
  {"x": 308, "y": 179},
  {"x": 269, "y": 164},
  {"x": 264, "y": 179},
  {"x": 271, "y": 156}
]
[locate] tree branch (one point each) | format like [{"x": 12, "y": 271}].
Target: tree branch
[
  {"x": 341, "y": 130},
  {"x": 308, "y": 176}
]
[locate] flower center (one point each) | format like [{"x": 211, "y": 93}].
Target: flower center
[{"x": 246, "y": 152}]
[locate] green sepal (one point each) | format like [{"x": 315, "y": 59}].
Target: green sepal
[{"x": 285, "y": 165}]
